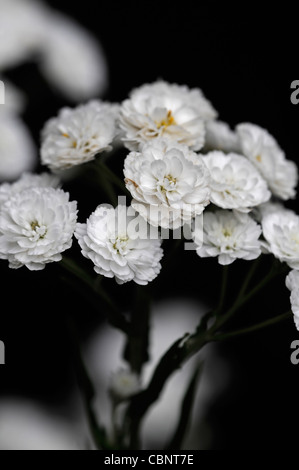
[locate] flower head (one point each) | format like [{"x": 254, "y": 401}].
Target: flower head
[
  {"x": 281, "y": 231},
  {"x": 292, "y": 283},
  {"x": 27, "y": 181},
  {"x": 124, "y": 384},
  {"x": 77, "y": 135},
  {"x": 235, "y": 183},
  {"x": 165, "y": 110},
  {"x": 169, "y": 183},
  {"x": 36, "y": 226},
  {"x": 109, "y": 240},
  {"x": 264, "y": 152},
  {"x": 228, "y": 235}
]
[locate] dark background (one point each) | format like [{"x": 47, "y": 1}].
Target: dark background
[{"x": 244, "y": 65}]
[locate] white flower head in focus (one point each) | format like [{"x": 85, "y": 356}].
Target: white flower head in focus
[
  {"x": 235, "y": 182},
  {"x": 27, "y": 181},
  {"x": 165, "y": 110},
  {"x": 17, "y": 149},
  {"x": 108, "y": 239},
  {"x": 72, "y": 60},
  {"x": 281, "y": 231},
  {"x": 36, "y": 226},
  {"x": 264, "y": 152},
  {"x": 168, "y": 182},
  {"x": 292, "y": 283},
  {"x": 229, "y": 236},
  {"x": 219, "y": 136},
  {"x": 76, "y": 135},
  {"x": 124, "y": 384}
]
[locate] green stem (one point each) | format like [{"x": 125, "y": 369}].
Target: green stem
[
  {"x": 243, "y": 300},
  {"x": 223, "y": 290},
  {"x": 114, "y": 316},
  {"x": 103, "y": 170},
  {"x": 248, "y": 278},
  {"x": 250, "y": 329}
]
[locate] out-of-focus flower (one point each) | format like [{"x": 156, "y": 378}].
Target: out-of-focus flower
[
  {"x": 26, "y": 181},
  {"x": 165, "y": 110},
  {"x": 69, "y": 56},
  {"x": 22, "y": 27},
  {"x": 219, "y": 136},
  {"x": 281, "y": 231},
  {"x": 264, "y": 152},
  {"x": 109, "y": 240},
  {"x": 26, "y": 426},
  {"x": 228, "y": 235},
  {"x": 76, "y": 135},
  {"x": 292, "y": 283},
  {"x": 123, "y": 384},
  {"x": 36, "y": 226},
  {"x": 17, "y": 150},
  {"x": 168, "y": 182},
  {"x": 15, "y": 99},
  {"x": 72, "y": 60},
  {"x": 235, "y": 183}
]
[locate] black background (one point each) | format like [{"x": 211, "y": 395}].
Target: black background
[{"x": 244, "y": 65}]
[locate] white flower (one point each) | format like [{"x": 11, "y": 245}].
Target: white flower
[
  {"x": 228, "y": 235},
  {"x": 235, "y": 183},
  {"x": 219, "y": 136},
  {"x": 22, "y": 25},
  {"x": 36, "y": 226},
  {"x": 281, "y": 231},
  {"x": 264, "y": 152},
  {"x": 292, "y": 283},
  {"x": 27, "y": 181},
  {"x": 72, "y": 60},
  {"x": 124, "y": 384},
  {"x": 165, "y": 110},
  {"x": 77, "y": 135},
  {"x": 108, "y": 239},
  {"x": 168, "y": 182},
  {"x": 17, "y": 150}
]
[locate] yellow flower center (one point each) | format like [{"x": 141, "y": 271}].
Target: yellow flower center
[
  {"x": 168, "y": 121},
  {"x": 258, "y": 158}
]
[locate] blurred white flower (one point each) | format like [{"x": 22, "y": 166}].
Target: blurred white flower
[
  {"x": 22, "y": 27},
  {"x": 292, "y": 283},
  {"x": 165, "y": 110},
  {"x": 36, "y": 226},
  {"x": 123, "y": 384},
  {"x": 109, "y": 240},
  {"x": 17, "y": 149},
  {"x": 281, "y": 231},
  {"x": 27, "y": 181},
  {"x": 264, "y": 152},
  {"x": 15, "y": 99},
  {"x": 72, "y": 60},
  {"x": 219, "y": 136},
  {"x": 168, "y": 182},
  {"x": 76, "y": 135},
  {"x": 235, "y": 183},
  {"x": 228, "y": 235},
  {"x": 27, "y": 426}
]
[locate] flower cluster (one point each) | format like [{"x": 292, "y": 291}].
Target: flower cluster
[{"x": 181, "y": 165}]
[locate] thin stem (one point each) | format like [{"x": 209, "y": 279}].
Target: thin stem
[
  {"x": 223, "y": 290},
  {"x": 250, "y": 329},
  {"x": 103, "y": 170},
  {"x": 114, "y": 316},
  {"x": 248, "y": 278}
]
